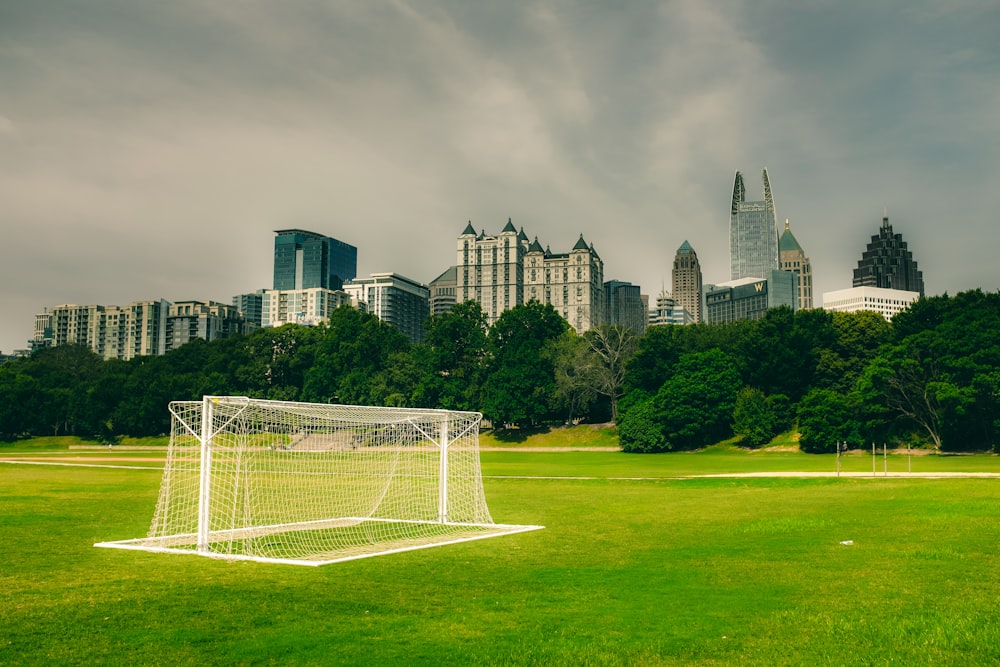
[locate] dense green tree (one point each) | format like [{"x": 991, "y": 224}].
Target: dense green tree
[
  {"x": 858, "y": 337},
  {"x": 640, "y": 428},
  {"x": 520, "y": 376},
  {"x": 353, "y": 348},
  {"x": 693, "y": 408},
  {"x": 825, "y": 418},
  {"x": 272, "y": 362},
  {"x": 754, "y": 417},
  {"x": 452, "y": 357}
]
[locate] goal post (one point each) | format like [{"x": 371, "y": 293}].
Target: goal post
[{"x": 311, "y": 483}]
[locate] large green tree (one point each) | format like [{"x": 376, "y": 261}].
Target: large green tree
[
  {"x": 351, "y": 350},
  {"x": 520, "y": 376},
  {"x": 692, "y": 409},
  {"x": 825, "y": 418},
  {"x": 451, "y": 358}
]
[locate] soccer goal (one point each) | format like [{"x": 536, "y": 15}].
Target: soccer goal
[{"x": 311, "y": 484}]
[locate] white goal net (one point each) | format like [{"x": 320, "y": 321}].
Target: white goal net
[{"x": 311, "y": 484}]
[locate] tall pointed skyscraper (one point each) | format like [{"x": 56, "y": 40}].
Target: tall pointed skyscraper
[
  {"x": 888, "y": 264},
  {"x": 686, "y": 277},
  {"x": 793, "y": 258},
  {"x": 753, "y": 233}
]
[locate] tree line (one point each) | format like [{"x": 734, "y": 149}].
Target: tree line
[{"x": 930, "y": 377}]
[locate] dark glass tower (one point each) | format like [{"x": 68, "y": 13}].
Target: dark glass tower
[
  {"x": 887, "y": 263},
  {"x": 303, "y": 260}
]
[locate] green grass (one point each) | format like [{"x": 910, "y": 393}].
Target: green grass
[
  {"x": 657, "y": 572},
  {"x": 583, "y": 436}
]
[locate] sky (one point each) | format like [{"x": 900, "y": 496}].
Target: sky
[{"x": 150, "y": 150}]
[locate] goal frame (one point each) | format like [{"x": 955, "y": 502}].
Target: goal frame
[{"x": 200, "y": 541}]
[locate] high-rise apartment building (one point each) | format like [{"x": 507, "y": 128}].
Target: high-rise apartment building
[
  {"x": 886, "y": 263},
  {"x": 573, "y": 283},
  {"x": 753, "y": 233},
  {"x": 302, "y": 306},
  {"x": 687, "y": 284},
  {"x": 304, "y": 260},
  {"x": 394, "y": 299},
  {"x": 503, "y": 271},
  {"x": 207, "y": 320},
  {"x": 250, "y": 305},
  {"x": 442, "y": 291},
  {"x": 490, "y": 269},
  {"x": 142, "y": 328},
  {"x": 794, "y": 259}
]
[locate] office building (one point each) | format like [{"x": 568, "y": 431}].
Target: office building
[
  {"x": 749, "y": 298},
  {"x": 394, "y": 299},
  {"x": 305, "y": 260},
  {"x": 624, "y": 306},
  {"x": 887, "y": 263},
  {"x": 886, "y": 302},
  {"x": 688, "y": 291},
  {"x": 794, "y": 259},
  {"x": 753, "y": 233}
]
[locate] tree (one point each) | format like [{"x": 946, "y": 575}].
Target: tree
[
  {"x": 520, "y": 377},
  {"x": 754, "y": 417},
  {"x": 352, "y": 349},
  {"x": 451, "y": 358},
  {"x": 575, "y": 365},
  {"x": 693, "y": 408},
  {"x": 640, "y": 429},
  {"x": 825, "y": 418},
  {"x": 615, "y": 346}
]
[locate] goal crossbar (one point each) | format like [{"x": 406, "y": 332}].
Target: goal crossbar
[{"x": 312, "y": 484}]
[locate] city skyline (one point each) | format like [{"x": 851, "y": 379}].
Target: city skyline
[{"x": 149, "y": 152}]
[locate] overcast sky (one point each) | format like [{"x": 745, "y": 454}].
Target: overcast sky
[{"x": 150, "y": 149}]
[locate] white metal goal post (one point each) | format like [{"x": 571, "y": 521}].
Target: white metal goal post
[{"x": 312, "y": 484}]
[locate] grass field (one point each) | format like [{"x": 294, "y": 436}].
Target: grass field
[{"x": 637, "y": 565}]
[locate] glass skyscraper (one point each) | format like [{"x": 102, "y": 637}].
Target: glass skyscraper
[
  {"x": 304, "y": 260},
  {"x": 753, "y": 233}
]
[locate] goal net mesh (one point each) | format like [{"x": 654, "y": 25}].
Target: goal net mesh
[{"x": 312, "y": 484}]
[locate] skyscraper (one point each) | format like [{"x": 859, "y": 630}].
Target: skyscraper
[
  {"x": 304, "y": 260},
  {"x": 686, "y": 278},
  {"x": 623, "y": 305},
  {"x": 491, "y": 269},
  {"x": 753, "y": 233},
  {"x": 572, "y": 283},
  {"x": 888, "y": 264},
  {"x": 793, "y": 258}
]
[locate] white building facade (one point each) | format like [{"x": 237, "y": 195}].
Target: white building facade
[{"x": 886, "y": 302}]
